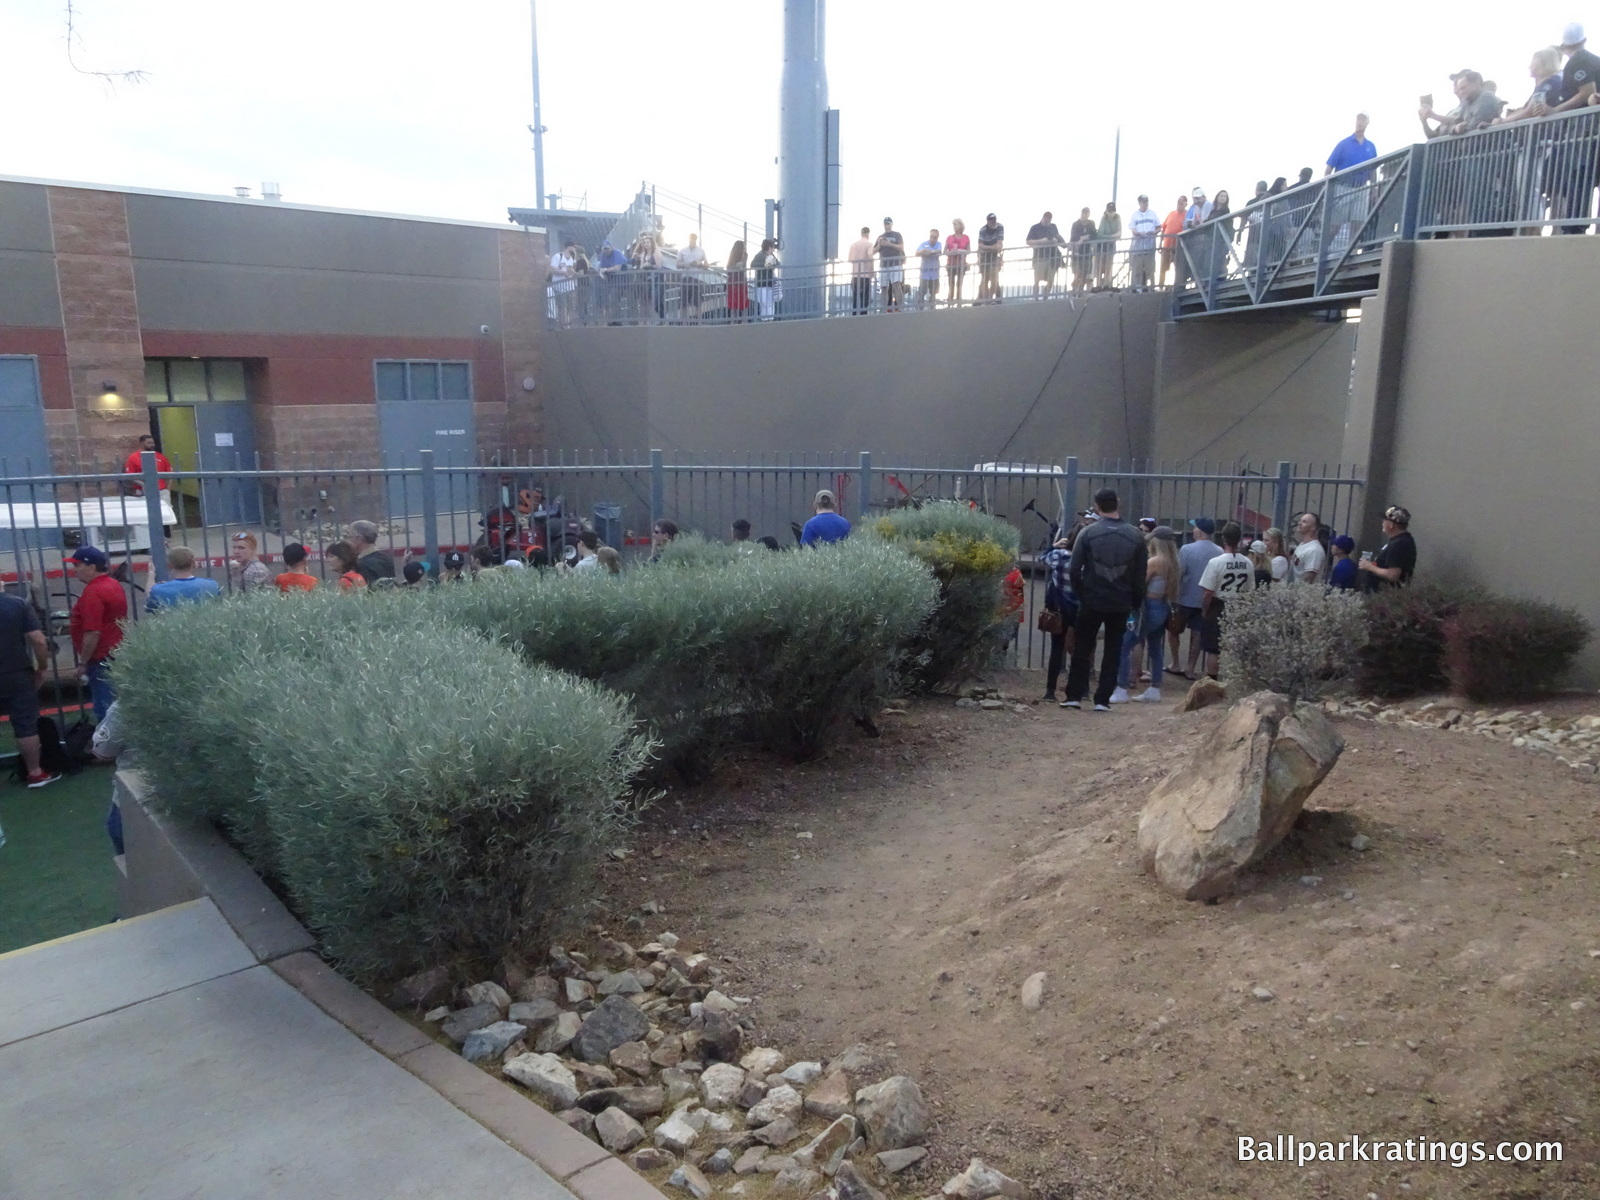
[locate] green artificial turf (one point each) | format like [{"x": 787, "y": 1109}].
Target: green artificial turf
[{"x": 56, "y": 873}]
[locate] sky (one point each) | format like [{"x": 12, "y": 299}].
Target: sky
[{"x": 948, "y": 109}]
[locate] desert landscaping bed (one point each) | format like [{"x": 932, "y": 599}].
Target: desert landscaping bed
[{"x": 1440, "y": 983}]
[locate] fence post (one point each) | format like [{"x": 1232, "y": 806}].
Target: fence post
[
  {"x": 1070, "y": 491},
  {"x": 430, "y": 513},
  {"x": 1411, "y": 202},
  {"x": 152, "y": 508},
  {"x": 658, "y": 491},
  {"x": 864, "y": 486},
  {"x": 1280, "y": 495}
]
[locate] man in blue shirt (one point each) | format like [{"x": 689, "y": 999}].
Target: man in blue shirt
[
  {"x": 1350, "y": 192},
  {"x": 1353, "y": 151},
  {"x": 827, "y": 525},
  {"x": 184, "y": 587}
]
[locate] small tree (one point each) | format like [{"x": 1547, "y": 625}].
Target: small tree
[{"x": 1302, "y": 642}]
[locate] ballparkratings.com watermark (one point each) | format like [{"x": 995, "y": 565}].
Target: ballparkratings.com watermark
[{"x": 1303, "y": 1152}]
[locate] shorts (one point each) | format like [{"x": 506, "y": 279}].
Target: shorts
[
  {"x": 1045, "y": 270},
  {"x": 19, "y": 700},
  {"x": 989, "y": 260},
  {"x": 1212, "y": 641},
  {"x": 891, "y": 275},
  {"x": 1190, "y": 617}
]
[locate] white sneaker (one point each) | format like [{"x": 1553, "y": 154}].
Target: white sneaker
[
  {"x": 1120, "y": 696},
  {"x": 1148, "y": 696},
  {"x": 1102, "y": 708}
]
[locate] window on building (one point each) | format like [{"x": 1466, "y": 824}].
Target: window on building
[
  {"x": 194, "y": 380},
  {"x": 422, "y": 379}
]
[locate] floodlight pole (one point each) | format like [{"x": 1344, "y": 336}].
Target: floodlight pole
[{"x": 538, "y": 115}]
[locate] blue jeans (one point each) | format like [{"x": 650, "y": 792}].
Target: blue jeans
[
  {"x": 1155, "y": 639},
  {"x": 101, "y": 692}
]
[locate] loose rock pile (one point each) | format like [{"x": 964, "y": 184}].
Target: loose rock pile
[
  {"x": 992, "y": 700},
  {"x": 640, "y": 1050},
  {"x": 1575, "y": 741}
]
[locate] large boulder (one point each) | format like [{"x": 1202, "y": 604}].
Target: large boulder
[
  {"x": 894, "y": 1113},
  {"x": 1237, "y": 797}
]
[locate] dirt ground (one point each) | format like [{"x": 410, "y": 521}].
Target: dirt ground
[{"x": 1443, "y": 984}]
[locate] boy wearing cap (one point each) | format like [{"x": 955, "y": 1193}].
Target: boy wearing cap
[
  {"x": 1343, "y": 576},
  {"x": 96, "y": 623},
  {"x": 455, "y": 565},
  {"x": 827, "y": 525}
]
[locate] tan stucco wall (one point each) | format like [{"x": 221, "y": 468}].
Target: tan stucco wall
[
  {"x": 1499, "y": 422},
  {"x": 1012, "y": 382},
  {"x": 1259, "y": 388}
]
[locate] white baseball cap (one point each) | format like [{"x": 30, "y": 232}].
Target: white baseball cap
[{"x": 1572, "y": 35}]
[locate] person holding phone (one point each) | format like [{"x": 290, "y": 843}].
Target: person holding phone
[{"x": 1396, "y": 561}]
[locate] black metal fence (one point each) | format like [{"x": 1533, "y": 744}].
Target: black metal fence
[{"x": 536, "y": 506}]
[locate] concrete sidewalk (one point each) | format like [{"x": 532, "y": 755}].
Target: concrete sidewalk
[{"x": 156, "y": 1058}]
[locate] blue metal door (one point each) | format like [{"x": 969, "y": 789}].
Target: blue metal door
[
  {"x": 427, "y": 406},
  {"x": 227, "y": 443}
]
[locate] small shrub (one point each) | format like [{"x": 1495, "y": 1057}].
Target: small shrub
[
  {"x": 1302, "y": 642},
  {"x": 1502, "y": 649},
  {"x": 969, "y": 553},
  {"x": 1404, "y": 651}
]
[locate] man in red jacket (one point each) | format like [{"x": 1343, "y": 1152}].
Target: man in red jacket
[
  {"x": 135, "y": 465},
  {"x": 96, "y": 623}
]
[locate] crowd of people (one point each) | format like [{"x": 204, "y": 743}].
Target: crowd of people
[
  {"x": 1144, "y": 591},
  {"x": 1090, "y": 256}
]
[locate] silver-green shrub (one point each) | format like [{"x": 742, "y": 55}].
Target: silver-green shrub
[
  {"x": 413, "y": 789},
  {"x": 1300, "y": 641},
  {"x": 443, "y": 798},
  {"x": 757, "y": 647}
]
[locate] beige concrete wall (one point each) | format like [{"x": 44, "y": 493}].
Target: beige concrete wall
[
  {"x": 1011, "y": 382},
  {"x": 1259, "y": 388},
  {"x": 1498, "y": 422}
]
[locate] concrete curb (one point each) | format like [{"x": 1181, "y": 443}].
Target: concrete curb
[{"x": 169, "y": 862}]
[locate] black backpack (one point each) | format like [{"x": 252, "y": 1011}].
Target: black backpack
[{"x": 58, "y": 755}]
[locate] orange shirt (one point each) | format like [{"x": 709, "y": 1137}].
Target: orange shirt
[
  {"x": 291, "y": 581},
  {"x": 352, "y": 579},
  {"x": 1173, "y": 225}
]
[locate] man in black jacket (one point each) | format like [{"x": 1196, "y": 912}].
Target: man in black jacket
[{"x": 1108, "y": 569}]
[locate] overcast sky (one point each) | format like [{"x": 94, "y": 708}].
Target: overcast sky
[{"x": 949, "y": 109}]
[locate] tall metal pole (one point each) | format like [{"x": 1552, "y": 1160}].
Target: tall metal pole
[
  {"x": 802, "y": 148},
  {"x": 1116, "y": 165},
  {"x": 538, "y": 114}
]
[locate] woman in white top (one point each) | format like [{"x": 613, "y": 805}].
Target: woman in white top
[
  {"x": 1150, "y": 624},
  {"x": 1280, "y": 561}
]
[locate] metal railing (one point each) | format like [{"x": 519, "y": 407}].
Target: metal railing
[
  {"x": 1321, "y": 243},
  {"x": 1522, "y": 178},
  {"x": 716, "y": 296},
  {"x": 536, "y": 506}
]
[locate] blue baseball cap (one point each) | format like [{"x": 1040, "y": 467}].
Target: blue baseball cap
[
  {"x": 1204, "y": 524},
  {"x": 90, "y": 555}
]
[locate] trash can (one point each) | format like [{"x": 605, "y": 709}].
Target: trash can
[{"x": 608, "y": 524}]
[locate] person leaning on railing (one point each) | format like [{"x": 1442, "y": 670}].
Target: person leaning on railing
[
  {"x": 1478, "y": 106},
  {"x": 956, "y": 247},
  {"x": 1545, "y": 70},
  {"x": 991, "y": 243}
]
